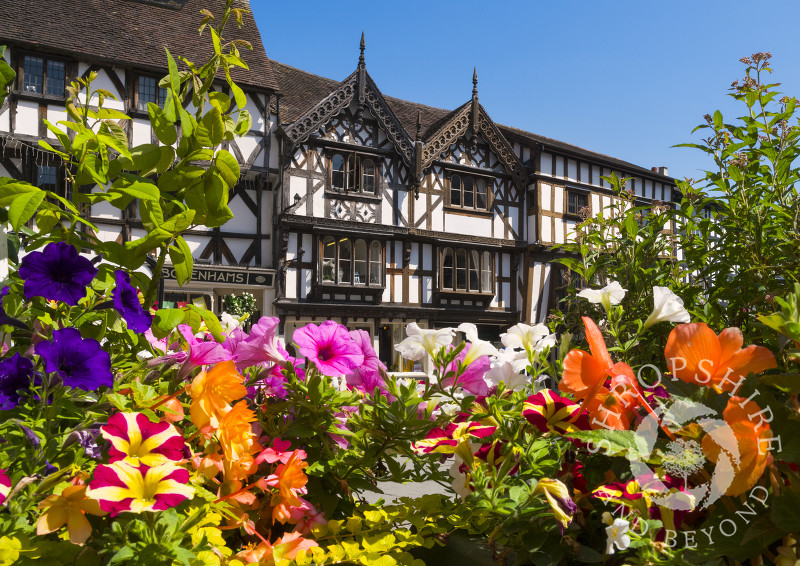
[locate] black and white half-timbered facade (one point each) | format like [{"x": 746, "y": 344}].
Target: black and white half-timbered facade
[
  {"x": 123, "y": 41},
  {"x": 391, "y": 212},
  {"x": 352, "y": 205}
]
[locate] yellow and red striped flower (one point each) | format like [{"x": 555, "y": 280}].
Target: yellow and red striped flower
[
  {"x": 135, "y": 439},
  {"x": 550, "y": 412},
  {"x": 455, "y": 439},
  {"x": 122, "y": 487}
]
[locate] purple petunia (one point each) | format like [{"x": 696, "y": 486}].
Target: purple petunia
[
  {"x": 126, "y": 303},
  {"x": 367, "y": 376},
  {"x": 330, "y": 347},
  {"x": 79, "y": 362},
  {"x": 15, "y": 375},
  {"x": 4, "y": 318},
  {"x": 58, "y": 272}
]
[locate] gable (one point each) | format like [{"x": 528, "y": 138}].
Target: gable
[{"x": 356, "y": 94}]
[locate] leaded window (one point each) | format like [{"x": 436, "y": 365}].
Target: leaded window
[
  {"x": 351, "y": 261},
  {"x": 355, "y": 173}
]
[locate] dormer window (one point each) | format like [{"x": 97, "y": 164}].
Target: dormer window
[
  {"x": 43, "y": 76},
  {"x": 468, "y": 191},
  {"x": 353, "y": 173}
]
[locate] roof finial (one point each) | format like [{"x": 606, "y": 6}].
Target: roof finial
[
  {"x": 363, "y": 45},
  {"x": 475, "y": 81},
  {"x": 419, "y": 124}
]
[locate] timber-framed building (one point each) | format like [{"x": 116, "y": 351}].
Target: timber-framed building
[{"x": 352, "y": 205}]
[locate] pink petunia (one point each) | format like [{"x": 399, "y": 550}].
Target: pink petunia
[
  {"x": 367, "y": 376},
  {"x": 472, "y": 378},
  {"x": 5, "y": 486},
  {"x": 201, "y": 352},
  {"x": 329, "y": 347},
  {"x": 262, "y": 346}
]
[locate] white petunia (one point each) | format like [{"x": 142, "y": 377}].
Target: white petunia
[
  {"x": 508, "y": 367},
  {"x": 477, "y": 346},
  {"x": 617, "y": 536},
  {"x": 611, "y": 294},
  {"x": 523, "y": 335},
  {"x": 668, "y": 307},
  {"x": 422, "y": 340},
  {"x": 229, "y": 323}
]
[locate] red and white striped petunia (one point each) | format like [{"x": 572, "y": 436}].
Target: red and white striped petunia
[
  {"x": 135, "y": 439},
  {"x": 122, "y": 487},
  {"x": 5, "y": 486},
  {"x": 454, "y": 439}
]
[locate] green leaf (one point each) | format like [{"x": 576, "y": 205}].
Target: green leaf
[
  {"x": 238, "y": 95},
  {"x": 46, "y": 219},
  {"x": 211, "y": 320},
  {"x": 24, "y": 207},
  {"x": 614, "y": 442},
  {"x": 211, "y": 129},
  {"x": 220, "y": 100},
  {"x": 152, "y": 214},
  {"x": 162, "y": 126},
  {"x": 174, "y": 77},
  {"x": 140, "y": 190},
  {"x": 165, "y": 320},
  {"x": 228, "y": 168},
  {"x": 181, "y": 257}
]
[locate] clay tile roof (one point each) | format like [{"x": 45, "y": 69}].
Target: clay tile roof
[
  {"x": 131, "y": 33},
  {"x": 301, "y": 91}
]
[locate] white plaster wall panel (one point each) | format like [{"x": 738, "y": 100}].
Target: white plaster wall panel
[
  {"x": 571, "y": 224},
  {"x": 427, "y": 290},
  {"x": 505, "y": 265},
  {"x": 667, "y": 193},
  {"x": 306, "y": 286},
  {"x": 403, "y": 204},
  {"x": 545, "y": 292},
  {"x": 141, "y": 131},
  {"x": 306, "y": 243},
  {"x": 266, "y": 210},
  {"x": 657, "y": 189},
  {"x": 547, "y": 235},
  {"x": 398, "y": 288},
  {"x": 269, "y": 307},
  {"x": 387, "y": 294},
  {"x": 648, "y": 188},
  {"x": 558, "y": 200},
  {"x": 413, "y": 290},
  {"x": 559, "y": 166},
  {"x": 639, "y": 184},
  {"x": 291, "y": 283},
  {"x": 547, "y": 197},
  {"x": 238, "y": 247},
  {"x": 532, "y": 235},
  {"x": 297, "y": 186},
  {"x": 104, "y": 81},
  {"x": 536, "y": 291},
  {"x": 255, "y": 113},
  {"x": 559, "y": 231},
  {"x": 291, "y": 248},
  {"x": 606, "y": 173},
  {"x": 108, "y": 233},
  {"x": 438, "y": 222},
  {"x": 103, "y": 209},
  {"x": 572, "y": 170},
  {"x": 5, "y": 120},
  {"x": 606, "y": 203},
  {"x": 137, "y": 233},
  {"x": 526, "y": 154},
  {"x": 596, "y": 172},
  {"x": 584, "y": 172},
  {"x": 398, "y": 254},
  {"x": 27, "y": 118},
  {"x": 247, "y": 144},
  {"x": 273, "y": 149},
  {"x": 460, "y": 224},
  {"x": 4, "y": 172},
  {"x": 197, "y": 244},
  {"x": 595, "y": 204},
  {"x": 243, "y": 220},
  {"x": 506, "y": 295},
  {"x": 413, "y": 262},
  {"x": 546, "y": 164},
  {"x": 266, "y": 253},
  {"x": 427, "y": 256}
]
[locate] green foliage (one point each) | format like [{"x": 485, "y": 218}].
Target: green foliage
[{"x": 243, "y": 304}]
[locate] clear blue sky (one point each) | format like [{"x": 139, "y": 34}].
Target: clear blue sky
[{"x": 625, "y": 78}]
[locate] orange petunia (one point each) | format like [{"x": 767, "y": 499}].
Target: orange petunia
[
  {"x": 695, "y": 354},
  {"x": 749, "y": 452},
  {"x": 68, "y": 508},
  {"x": 584, "y": 372},
  {"x": 238, "y": 441},
  {"x": 211, "y": 391}
]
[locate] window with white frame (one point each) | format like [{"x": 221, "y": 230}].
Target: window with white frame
[
  {"x": 351, "y": 261},
  {"x": 354, "y": 173},
  {"x": 469, "y": 191},
  {"x": 466, "y": 270}
]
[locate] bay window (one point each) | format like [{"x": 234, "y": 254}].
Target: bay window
[
  {"x": 466, "y": 270},
  {"x": 351, "y": 261}
]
